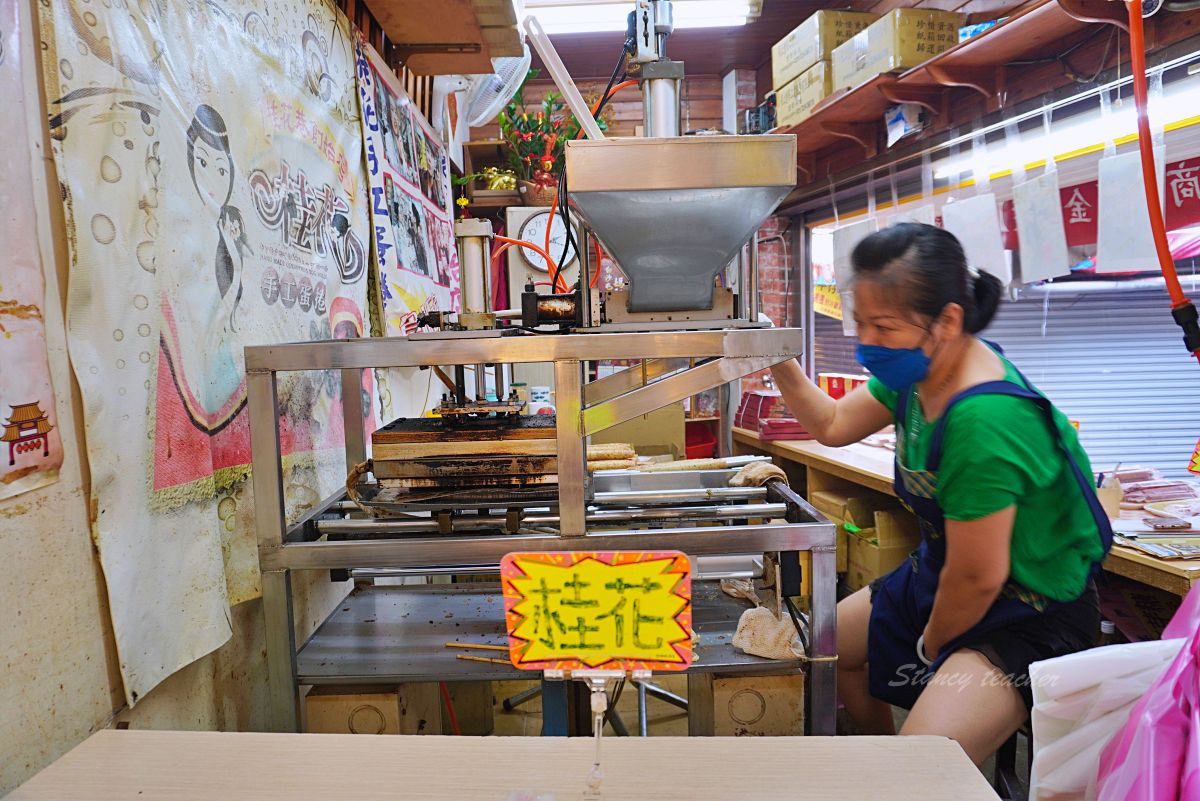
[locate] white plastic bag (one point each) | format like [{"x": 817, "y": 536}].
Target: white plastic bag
[{"x": 1079, "y": 702}]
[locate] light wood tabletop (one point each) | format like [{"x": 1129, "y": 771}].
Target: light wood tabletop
[
  {"x": 184, "y": 766},
  {"x": 872, "y": 468},
  {"x": 863, "y": 464}
]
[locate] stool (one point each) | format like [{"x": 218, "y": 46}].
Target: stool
[{"x": 1008, "y": 785}]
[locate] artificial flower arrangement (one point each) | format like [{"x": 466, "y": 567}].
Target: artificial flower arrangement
[{"x": 536, "y": 139}]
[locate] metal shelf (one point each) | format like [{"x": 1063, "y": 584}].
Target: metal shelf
[{"x": 390, "y": 635}]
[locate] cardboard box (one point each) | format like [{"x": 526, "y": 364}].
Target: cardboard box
[
  {"x": 758, "y": 706},
  {"x": 895, "y": 527},
  {"x": 795, "y": 101},
  {"x": 900, "y": 40},
  {"x": 812, "y": 41},
  {"x": 406, "y": 709},
  {"x": 659, "y": 432},
  {"x": 858, "y": 510},
  {"x": 869, "y": 561}
]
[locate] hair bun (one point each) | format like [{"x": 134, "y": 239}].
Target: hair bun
[{"x": 986, "y": 291}]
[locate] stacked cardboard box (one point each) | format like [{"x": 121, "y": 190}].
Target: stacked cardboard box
[
  {"x": 813, "y": 41},
  {"x": 877, "y": 551},
  {"x": 902, "y": 39},
  {"x": 852, "y": 513},
  {"x": 800, "y": 66}
]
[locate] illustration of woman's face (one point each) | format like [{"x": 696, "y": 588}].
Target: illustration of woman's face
[{"x": 212, "y": 174}]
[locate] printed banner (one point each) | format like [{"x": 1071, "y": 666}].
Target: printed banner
[
  {"x": 30, "y": 448},
  {"x": 211, "y": 159},
  {"x": 827, "y": 301},
  {"x": 619, "y": 610},
  {"x": 409, "y": 175}
]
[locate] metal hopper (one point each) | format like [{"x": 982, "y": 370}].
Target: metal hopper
[{"x": 675, "y": 211}]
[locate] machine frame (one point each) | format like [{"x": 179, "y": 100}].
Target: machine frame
[{"x": 583, "y": 409}]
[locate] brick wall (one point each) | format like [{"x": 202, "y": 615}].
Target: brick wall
[{"x": 777, "y": 289}]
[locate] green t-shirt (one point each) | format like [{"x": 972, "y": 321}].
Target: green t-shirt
[{"x": 997, "y": 451}]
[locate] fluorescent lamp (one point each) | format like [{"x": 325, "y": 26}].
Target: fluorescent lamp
[
  {"x": 608, "y": 17},
  {"x": 1034, "y": 145}
]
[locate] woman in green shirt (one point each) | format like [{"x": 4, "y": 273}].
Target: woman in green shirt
[{"x": 1011, "y": 528}]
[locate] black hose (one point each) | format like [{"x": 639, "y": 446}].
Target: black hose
[{"x": 795, "y": 615}]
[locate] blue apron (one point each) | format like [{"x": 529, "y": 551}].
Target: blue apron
[{"x": 903, "y": 600}]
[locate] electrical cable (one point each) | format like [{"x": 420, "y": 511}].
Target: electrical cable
[
  {"x": 561, "y": 194},
  {"x": 1182, "y": 308},
  {"x": 794, "y": 613},
  {"x": 1069, "y": 71}
]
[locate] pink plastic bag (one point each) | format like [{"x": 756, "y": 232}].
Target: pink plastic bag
[{"x": 1155, "y": 756}]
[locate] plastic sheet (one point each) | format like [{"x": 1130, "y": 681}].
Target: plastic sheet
[
  {"x": 976, "y": 223},
  {"x": 1156, "y": 754}
]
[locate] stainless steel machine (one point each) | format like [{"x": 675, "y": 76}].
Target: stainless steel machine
[{"x": 675, "y": 212}]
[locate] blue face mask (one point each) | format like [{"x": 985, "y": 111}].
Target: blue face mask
[{"x": 897, "y": 368}]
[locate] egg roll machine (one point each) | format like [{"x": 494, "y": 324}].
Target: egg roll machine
[{"x": 679, "y": 215}]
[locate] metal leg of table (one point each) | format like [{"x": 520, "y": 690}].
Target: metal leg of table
[
  {"x": 515, "y": 701},
  {"x": 645, "y": 687},
  {"x": 270, "y": 523},
  {"x": 822, "y": 677},
  {"x": 554, "y": 708},
  {"x": 701, "y": 720},
  {"x": 572, "y": 469},
  {"x": 284, "y": 693},
  {"x": 643, "y": 715}
]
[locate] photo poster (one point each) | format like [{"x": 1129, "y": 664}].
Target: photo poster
[
  {"x": 408, "y": 170},
  {"x": 31, "y": 451},
  {"x": 211, "y": 158}
]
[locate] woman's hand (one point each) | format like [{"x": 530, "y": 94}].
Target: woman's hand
[{"x": 927, "y": 647}]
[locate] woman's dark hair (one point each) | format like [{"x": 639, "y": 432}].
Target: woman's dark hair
[{"x": 927, "y": 266}]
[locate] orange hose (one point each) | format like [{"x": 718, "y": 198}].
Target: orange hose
[
  {"x": 538, "y": 249},
  {"x": 1181, "y": 306},
  {"x": 500, "y": 251},
  {"x": 1137, "y": 45},
  {"x": 596, "y": 274}
]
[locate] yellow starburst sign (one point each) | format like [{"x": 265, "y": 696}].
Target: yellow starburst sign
[
  {"x": 616, "y": 610},
  {"x": 1194, "y": 465}
]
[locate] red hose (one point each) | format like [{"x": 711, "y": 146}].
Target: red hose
[
  {"x": 1179, "y": 301},
  {"x": 450, "y": 709}
]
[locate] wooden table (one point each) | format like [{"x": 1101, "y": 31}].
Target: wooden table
[
  {"x": 872, "y": 468},
  {"x": 184, "y": 766}
]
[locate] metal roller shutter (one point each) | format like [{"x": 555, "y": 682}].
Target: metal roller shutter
[{"x": 1111, "y": 360}]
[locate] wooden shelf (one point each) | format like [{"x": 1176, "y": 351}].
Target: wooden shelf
[
  {"x": 980, "y": 63},
  {"x": 460, "y": 38}
]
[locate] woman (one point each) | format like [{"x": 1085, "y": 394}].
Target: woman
[
  {"x": 1011, "y": 528},
  {"x": 200, "y": 319}
]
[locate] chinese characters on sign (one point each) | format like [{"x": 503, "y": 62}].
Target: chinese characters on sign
[{"x": 620, "y": 610}]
